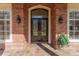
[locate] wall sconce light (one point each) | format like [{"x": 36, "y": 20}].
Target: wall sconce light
[
  {"x": 18, "y": 19},
  {"x": 60, "y": 19}
]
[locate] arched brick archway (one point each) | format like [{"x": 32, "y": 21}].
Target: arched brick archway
[{"x": 49, "y": 20}]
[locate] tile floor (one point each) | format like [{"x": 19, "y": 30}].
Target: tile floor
[{"x": 43, "y": 50}]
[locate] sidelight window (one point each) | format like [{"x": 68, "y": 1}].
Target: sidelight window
[
  {"x": 74, "y": 25},
  {"x": 4, "y": 24}
]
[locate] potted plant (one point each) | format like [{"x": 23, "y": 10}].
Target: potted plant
[{"x": 63, "y": 40}]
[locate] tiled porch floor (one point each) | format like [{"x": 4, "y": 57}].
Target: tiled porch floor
[{"x": 43, "y": 50}]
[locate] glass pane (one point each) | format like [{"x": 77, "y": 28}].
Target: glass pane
[
  {"x": 7, "y": 35},
  {"x": 76, "y": 14},
  {"x": 40, "y": 12},
  {"x": 77, "y": 35},
  {"x": 6, "y": 14},
  {"x": 71, "y": 28},
  {"x": 7, "y": 28},
  {"x": 35, "y": 27},
  {"x": 72, "y": 36},
  {"x": 1, "y": 25},
  {"x": 77, "y": 22},
  {"x": 2, "y": 28},
  {"x": 43, "y": 27},
  {"x": 71, "y": 15},
  {"x": 72, "y": 22},
  {"x": 1, "y": 35},
  {"x": 1, "y": 15},
  {"x": 8, "y": 22},
  {"x": 1, "y": 22}
]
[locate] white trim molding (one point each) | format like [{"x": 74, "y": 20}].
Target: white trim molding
[
  {"x": 10, "y": 40},
  {"x": 49, "y": 22}
]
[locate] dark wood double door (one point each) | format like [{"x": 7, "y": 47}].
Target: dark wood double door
[
  {"x": 39, "y": 25},
  {"x": 39, "y": 29}
]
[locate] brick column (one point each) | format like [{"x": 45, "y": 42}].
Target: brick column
[
  {"x": 18, "y": 29},
  {"x": 61, "y": 10}
]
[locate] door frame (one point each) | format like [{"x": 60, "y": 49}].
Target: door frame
[{"x": 49, "y": 22}]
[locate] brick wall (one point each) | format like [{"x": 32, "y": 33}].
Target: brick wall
[
  {"x": 18, "y": 29},
  {"x": 61, "y": 10}
]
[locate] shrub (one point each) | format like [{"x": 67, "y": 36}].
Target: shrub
[{"x": 63, "y": 40}]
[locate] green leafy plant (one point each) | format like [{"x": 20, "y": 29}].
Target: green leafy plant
[{"x": 63, "y": 40}]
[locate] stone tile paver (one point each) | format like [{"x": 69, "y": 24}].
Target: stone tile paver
[
  {"x": 29, "y": 50},
  {"x": 35, "y": 50}
]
